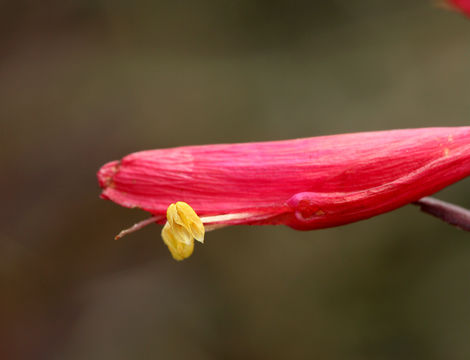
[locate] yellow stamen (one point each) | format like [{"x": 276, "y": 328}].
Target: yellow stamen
[{"x": 182, "y": 227}]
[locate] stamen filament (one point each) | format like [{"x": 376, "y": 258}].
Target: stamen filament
[{"x": 137, "y": 226}]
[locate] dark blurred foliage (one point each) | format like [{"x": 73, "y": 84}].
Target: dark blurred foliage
[{"x": 85, "y": 82}]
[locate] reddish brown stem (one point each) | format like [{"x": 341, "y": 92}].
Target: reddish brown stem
[{"x": 450, "y": 213}]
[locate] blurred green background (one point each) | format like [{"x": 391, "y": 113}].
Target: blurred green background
[{"x": 83, "y": 82}]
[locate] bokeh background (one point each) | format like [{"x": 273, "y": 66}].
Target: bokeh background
[{"x": 83, "y": 82}]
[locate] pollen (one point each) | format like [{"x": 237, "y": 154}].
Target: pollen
[{"x": 182, "y": 227}]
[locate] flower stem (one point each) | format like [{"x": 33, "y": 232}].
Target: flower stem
[{"x": 450, "y": 213}]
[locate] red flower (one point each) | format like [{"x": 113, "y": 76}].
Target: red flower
[
  {"x": 462, "y": 5},
  {"x": 306, "y": 184}
]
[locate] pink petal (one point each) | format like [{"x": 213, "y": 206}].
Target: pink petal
[
  {"x": 462, "y": 5},
  {"x": 305, "y": 183}
]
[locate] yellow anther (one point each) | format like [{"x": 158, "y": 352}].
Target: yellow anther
[{"x": 182, "y": 227}]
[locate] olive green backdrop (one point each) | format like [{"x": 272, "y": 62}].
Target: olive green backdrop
[{"x": 85, "y": 82}]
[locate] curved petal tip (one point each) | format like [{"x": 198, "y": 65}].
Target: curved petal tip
[{"x": 106, "y": 172}]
